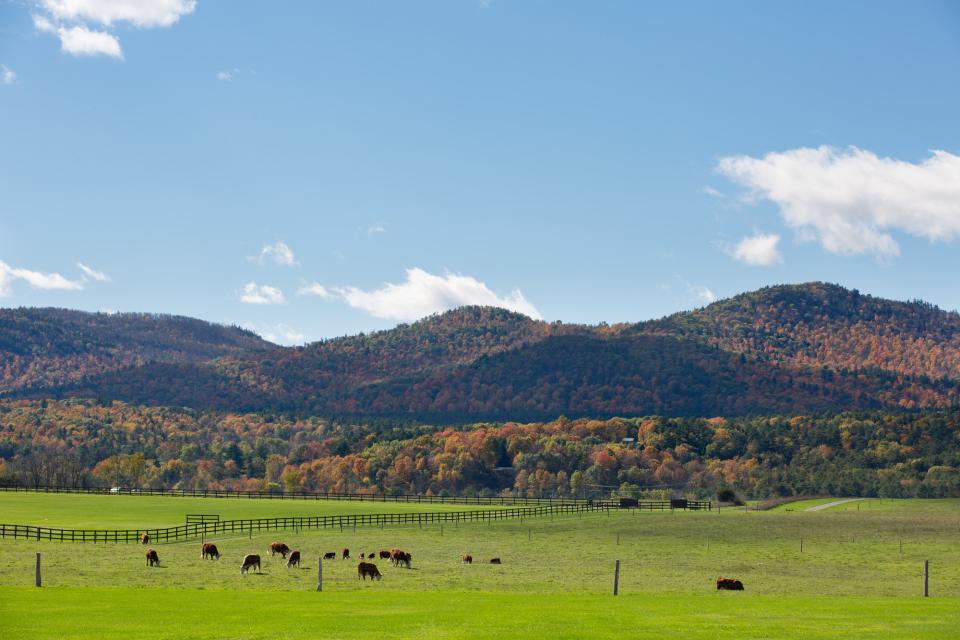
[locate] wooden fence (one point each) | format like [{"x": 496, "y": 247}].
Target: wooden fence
[{"x": 196, "y": 530}]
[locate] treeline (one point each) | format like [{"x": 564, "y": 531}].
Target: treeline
[{"x": 859, "y": 454}]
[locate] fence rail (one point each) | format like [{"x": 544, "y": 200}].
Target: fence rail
[
  {"x": 196, "y": 530},
  {"x": 298, "y": 495}
]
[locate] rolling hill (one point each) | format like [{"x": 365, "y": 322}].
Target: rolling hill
[
  {"x": 44, "y": 349},
  {"x": 780, "y": 349}
]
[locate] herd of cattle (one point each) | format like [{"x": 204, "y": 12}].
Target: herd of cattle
[{"x": 397, "y": 557}]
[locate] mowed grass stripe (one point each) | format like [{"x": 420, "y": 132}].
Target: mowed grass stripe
[{"x": 147, "y": 614}]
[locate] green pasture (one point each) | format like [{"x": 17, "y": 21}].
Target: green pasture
[
  {"x": 82, "y": 511},
  {"x": 149, "y": 614},
  {"x": 852, "y": 577}
]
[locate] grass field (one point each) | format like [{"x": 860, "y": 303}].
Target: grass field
[
  {"x": 851, "y": 575},
  {"x": 151, "y": 614}
]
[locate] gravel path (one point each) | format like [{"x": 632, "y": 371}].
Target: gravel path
[{"x": 821, "y": 507}]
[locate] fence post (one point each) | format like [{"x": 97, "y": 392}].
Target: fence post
[
  {"x": 38, "y": 569},
  {"x": 319, "y": 573},
  {"x": 926, "y": 576},
  {"x": 616, "y": 578}
]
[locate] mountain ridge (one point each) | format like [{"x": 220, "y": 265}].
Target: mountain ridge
[{"x": 778, "y": 349}]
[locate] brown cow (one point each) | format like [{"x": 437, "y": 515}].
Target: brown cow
[
  {"x": 346, "y": 553},
  {"x": 152, "y": 558},
  {"x": 294, "y": 560},
  {"x": 384, "y": 555},
  {"x": 467, "y": 558},
  {"x": 250, "y": 560},
  {"x": 729, "y": 584},
  {"x": 495, "y": 561},
  {"x": 330, "y": 555},
  {"x": 209, "y": 550},
  {"x": 365, "y": 569},
  {"x": 144, "y": 538},
  {"x": 279, "y": 547},
  {"x": 398, "y": 557}
]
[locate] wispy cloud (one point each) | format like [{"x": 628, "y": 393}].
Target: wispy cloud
[
  {"x": 69, "y": 20},
  {"x": 315, "y": 289},
  {"x": 253, "y": 293},
  {"x": 279, "y": 333},
  {"x": 279, "y": 253},
  {"x": 849, "y": 200},
  {"x": 758, "y": 250},
  {"x": 92, "y": 274},
  {"x": 7, "y": 75},
  {"x": 710, "y": 191},
  {"x": 700, "y": 293},
  {"x": 36, "y": 279},
  {"x": 375, "y": 229},
  {"x": 423, "y": 293}
]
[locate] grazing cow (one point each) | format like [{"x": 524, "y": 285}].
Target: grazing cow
[
  {"x": 250, "y": 561},
  {"x": 363, "y": 556},
  {"x": 152, "y": 558},
  {"x": 209, "y": 550},
  {"x": 365, "y": 569},
  {"x": 384, "y": 555},
  {"x": 294, "y": 560},
  {"x": 330, "y": 555},
  {"x": 346, "y": 553},
  {"x": 279, "y": 547},
  {"x": 144, "y": 538},
  {"x": 467, "y": 558},
  {"x": 729, "y": 584},
  {"x": 399, "y": 557},
  {"x": 371, "y": 555},
  {"x": 495, "y": 561}
]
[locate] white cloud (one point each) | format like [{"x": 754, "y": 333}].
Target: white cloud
[
  {"x": 80, "y": 41},
  {"x": 7, "y": 75},
  {"x": 279, "y": 252},
  {"x": 710, "y": 191},
  {"x": 375, "y": 229},
  {"x": 37, "y": 280},
  {"x": 92, "y": 274},
  {"x": 225, "y": 76},
  {"x": 315, "y": 289},
  {"x": 704, "y": 295},
  {"x": 141, "y": 13},
  {"x": 252, "y": 293},
  {"x": 424, "y": 293},
  {"x": 69, "y": 19},
  {"x": 850, "y": 200},
  {"x": 700, "y": 293},
  {"x": 279, "y": 333},
  {"x": 758, "y": 250}
]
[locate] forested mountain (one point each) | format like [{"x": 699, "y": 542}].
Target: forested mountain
[
  {"x": 782, "y": 349},
  {"x": 824, "y": 324},
  {"x": 48, "y": 348}
]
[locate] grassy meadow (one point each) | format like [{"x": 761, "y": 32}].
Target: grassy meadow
[{"x": 556, "y": 577}]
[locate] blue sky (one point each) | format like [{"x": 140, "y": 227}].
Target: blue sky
[{"x": 316, "y": 169}]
